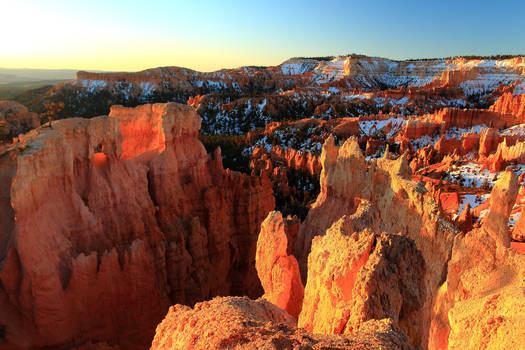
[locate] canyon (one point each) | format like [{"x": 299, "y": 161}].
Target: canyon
[
  {"x": 140, "y": 218},
  {"x": 377, "y": 204}
]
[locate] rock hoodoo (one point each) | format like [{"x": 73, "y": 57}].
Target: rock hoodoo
[
  {"x": 354, "y": 277},
  {"x": 482, "y": 301},
  {"x": 380, "y": 198},
  {"x": 106, "y": 222},
  {"x": 277, "y": 270}
]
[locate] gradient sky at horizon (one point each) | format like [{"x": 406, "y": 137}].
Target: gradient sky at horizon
[{"x": 208, "y": 35}]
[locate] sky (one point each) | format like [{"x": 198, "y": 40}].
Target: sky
[{"x": 132, "y": 35}]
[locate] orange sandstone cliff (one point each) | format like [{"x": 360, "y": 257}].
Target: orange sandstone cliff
[
  {"x": 277, "y": 270},
  {"x": 481, "y": 305},
  {"x": 380, "y": 198},
  {"x": 106, "y": 222}
]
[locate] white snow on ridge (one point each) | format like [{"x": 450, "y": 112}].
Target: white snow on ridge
[
  {"x": 297, "y": 68},
  {"x": 400, "y": 101},
  {"x": 92, "y": 85},
  {"x": 518, "y": 130},
  {"x": 147, "y": 88},
  {"x": 372, "y": 126},
  {"x": 333, "y": 90},
  {"x": 493, "y": 72},
  {"x": 519, "y": 89},
  {"x": 457, "y": 102},
  {"x": 454, "y": 132},
  {"x": 488, "y": 82},
  {"x": 330, "y": 70},
  {"x": 472, "y": 199},
  {"x": 423, "y": 141},
  {"x": 471, "y": 175},
  {"x": 357, "y": 97},
  {"x": 216, "y": 84}
]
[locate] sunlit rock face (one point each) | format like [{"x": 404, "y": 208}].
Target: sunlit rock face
[
  {"x": 354, "y": 277},
  {"x": 510, "y": 103},
  {"x": 380, "y": 198},
  {"x": 278, "y": 271},
  {"x": 106, "y": 222},
  {"x": 241, "y": 323},
  {"x": 481, "y": 305}
]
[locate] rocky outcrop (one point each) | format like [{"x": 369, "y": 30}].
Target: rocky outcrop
[
  {"x": 518, "y": 233},
  {"x": 446, "y": 118},
  {"x": 241, "y": 323},
  {"x": 511, "y": 104},
  {"x": 354, "y": 277},
  {"x": 396, "y": 205},
  {"x": 261, "y": 160},
  {"x": 481, "y": 303},
  {"x": 362, "y": 71},
  {"x": 277, "y": 270},
  {"x": 506, "y": 154},
  {"x": 502, "y": 199},
  {"x": 464, "y": 221},
  {"x": 416, "y": 128},
  {"x": 488, "y": 142},
  {"x": 15, "y": 119},
  {"x": 106, "y": 222}
]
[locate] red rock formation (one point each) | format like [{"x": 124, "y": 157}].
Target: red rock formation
[
  {"x": 454, "y": 77},
  {"x": 469, "y": 142},
  {"x": 16, "y": 118},
  {"x": 401, "y": 205},
  {"x": 354, "y": 277},
  {"x": 511, "y": 104},
  {"x": 449, "y": 202},
  {"x": 518, "y": 233},
  {"x": 518, "y": 246},
  {"x": 306, "y": 163},
  {"x": 505, "y": 155},
  {"x": 464, "y": 220},
  {"x": 195, "y": 101},
  {"x": 481, "y": 303},
  {"x": 97, "y": 247},
  {"x": 445, "y": 118},
  {"x": 241, "y": 323},
  {"x": 277, "y": 270},
  {"x": 416, "y": 128},
  {"x": 502, "y": 199},
  {"x": 183, "y": 80},
  {"x": 448, "y": 146},
  {"x": 488, "y": 142}
]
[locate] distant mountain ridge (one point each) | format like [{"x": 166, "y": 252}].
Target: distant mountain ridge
[{"x": 310, "y": 85}]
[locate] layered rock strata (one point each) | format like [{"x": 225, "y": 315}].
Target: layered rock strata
[{"x": 106, "y": 222}]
